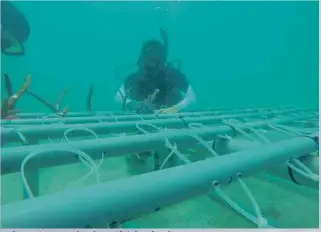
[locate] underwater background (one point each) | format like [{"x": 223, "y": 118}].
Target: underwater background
[{"x": 235, "y": 54}]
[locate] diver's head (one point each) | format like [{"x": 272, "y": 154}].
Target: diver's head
[{"x": 152, "y": 56}]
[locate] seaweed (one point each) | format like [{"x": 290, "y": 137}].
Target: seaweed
[{"x": 8, "y": 85}]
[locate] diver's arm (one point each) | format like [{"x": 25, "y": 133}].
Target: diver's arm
[
  {"x": 121, "y": 97},
  {"x": 188, "y": 100}
]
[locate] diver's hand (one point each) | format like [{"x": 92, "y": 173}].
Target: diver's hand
[
  {"x": 169, "y": 110},
  {"x": 151, "y": 98}
]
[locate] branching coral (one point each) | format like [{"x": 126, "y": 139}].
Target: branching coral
[
  {"x": 55, "y": 108},
  {"x": 8, "y": 104}
]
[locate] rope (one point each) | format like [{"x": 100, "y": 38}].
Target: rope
[
  {"x": 62, "y": 121},
  {"x": 36, "y": 153}
]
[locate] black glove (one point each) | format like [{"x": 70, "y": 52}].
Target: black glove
[{"x": 145, "y": 108}]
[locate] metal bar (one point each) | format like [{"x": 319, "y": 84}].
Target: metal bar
[
  {"x": 75, "y": 120},
  {"x": 121, "y": 200},
  {"x": 12, "y": 157},
  {"x": 9, "y": 135}
]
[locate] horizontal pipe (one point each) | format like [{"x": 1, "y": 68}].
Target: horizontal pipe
[
  {"x": 95, "y": 113},
  {"x": 75, "y": 120},
  {"x": 10, "y": 135},
  {"x": 12, "y": 157},
  {"x": 70, "y": 114},
  {"x": 224, "y": 146},
  {"x": 100, "y": 118},
  {"x": 284, "y": 172},
  {"x": 121, "y": 200}
]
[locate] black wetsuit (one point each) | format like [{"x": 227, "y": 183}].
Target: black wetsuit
[{"x": 172, "y": 85}]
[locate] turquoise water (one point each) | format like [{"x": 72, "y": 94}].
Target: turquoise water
[{"x": 234, "y": 54}]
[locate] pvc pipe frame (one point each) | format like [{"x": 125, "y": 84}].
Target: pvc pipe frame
[
  {"x": 56, "y": 131},
  {"x": 115, "y": 113},
  {"x": 90, "y": 119},
  {"x": 101, "y": 117},
  {"x": 12, "y": 157},
  {"x": 125, "y": 199}
]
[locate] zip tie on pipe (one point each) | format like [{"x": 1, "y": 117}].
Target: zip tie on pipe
[
  {"x": 196, "y": 137},
  {"x": 306, "y": 172},
  {"x": 138, "y": 126},
  {"x": 197, "y": 125},
  {"x": 167, "y": 144},
  {"x": 156, "y": 116},
  {"x": 140, "y": 117},
  {"x": 49, "y": 139},
  {"x": 90, "y": 131},
  {"x": 259, "y": 220},
  {"x": 35, "y": 153},
  {"x": 99, "y": 114},
  {"x": 302, "y": 165},
  {"x": 176, "y": 151},
  {"x": 310, "y": 175},
  {"x": 54, "y": 115},
  {"x": 237, "y": 129},
  {"x": 205, "y": 145},
  {"x": 183, "y": 120},
  {"x": 210, "y": 148},
  {"x": 21, "y": 136},
  {"x": 168, "y": 157},
  {"x": 259, "y": 135},
  {"x": 86, "y": 163}
]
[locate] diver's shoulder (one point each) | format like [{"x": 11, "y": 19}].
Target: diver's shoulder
[
  {"x": 134, "y": 75},
  {"x": 174, "y": 71}
]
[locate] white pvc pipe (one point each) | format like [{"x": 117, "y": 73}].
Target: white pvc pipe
[
  {"x": 121, "y": 200},
  {"x": 224, "y": 146}
]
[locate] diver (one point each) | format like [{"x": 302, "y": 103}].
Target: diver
[
  {"x": 157, "y": 86},
  {"x": 15, "y": 30}
]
